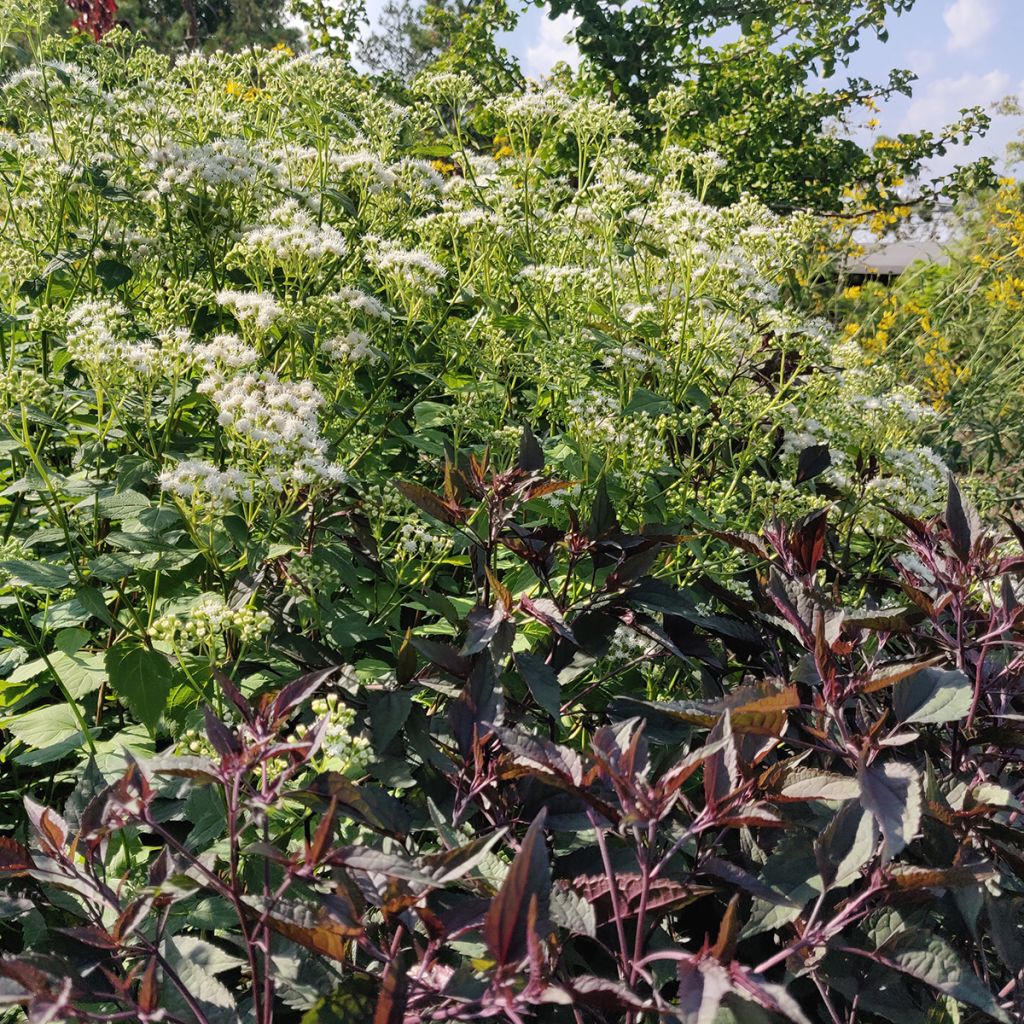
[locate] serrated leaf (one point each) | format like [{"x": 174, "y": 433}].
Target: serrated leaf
[
  {"x": 809, "y": 784},
  {"x": 930, "y": 959},
  {"x": 35, "y": 575},
  {"x": 81, "y": 674},
  {"x": 45, "y": 727},
  {"x": 142, "y": 678},
  {"x": 212, "y": 996},
  {"x": 572, "y": 912}
]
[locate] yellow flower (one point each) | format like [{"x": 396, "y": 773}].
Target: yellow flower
[
  {"x": 284, "y": 48},
  {"x": 234, "y": 88}
]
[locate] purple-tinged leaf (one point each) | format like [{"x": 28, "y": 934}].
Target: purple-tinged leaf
[
  {"x": 531, "y": 455},
  {"x": 962, "y": 521},
  {"x": 221, "y": 738},
  {"x": 480, "y": 705},
  {"x": 545, "y": 610},
  {"x": 394, "y": 994},
  {"x": 483, "y": 624},
  {"x": 541, "y": 681},
  {"x": 449, "y": 512},
  {"x": 892, "y": 793},
  {"x": 528, "y": 882},
  {"x": 297, "y": 691},
  {"x": 813, "y": 461}
]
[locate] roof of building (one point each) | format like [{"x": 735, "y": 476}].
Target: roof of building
[{"x": 892, "y": 258}]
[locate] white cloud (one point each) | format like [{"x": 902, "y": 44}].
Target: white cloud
[
  {"x": 550, "y": 46},
  {"x": 969, "y": 22},
  {"x": 938, "y": 102}
]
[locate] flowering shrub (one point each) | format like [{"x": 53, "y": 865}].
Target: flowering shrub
[{"x": 379, "y": 483}]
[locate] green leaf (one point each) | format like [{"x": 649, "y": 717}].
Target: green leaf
[
  {"x": 71, "y": 640},
  {"x": 929, "y": 958},
  {"x": 932, "y": 696},
  {"x": 112, "y": 273},
  {"x": 348, "y": 1005},
  {"x": 45, "y": 727},
  {"x": 142, "y": 678},
  {"x": 197, "y": 963},
  {"x": 36, "y": 575},
  {"x": 81, "y": 674},
  {"x": 92, "y": 601}
]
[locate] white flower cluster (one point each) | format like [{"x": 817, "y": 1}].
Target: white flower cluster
[
  {"x": 361, "y": 302},
  {"x": 367, "y": 165},
  {"x": 628, "y": 645},
  {"x": 98, "y": 339},
  {"x": 228, "y": 161},
  {"x": 207, "y": 622},
  {"x": 224, "y": 351},
  {"x": 415, "y": 539},
  {"x": 292, "y": 238},
  {"x": 411, "y": 267},
  {"x": 277, "y": 421},
  {"x": 353, "y": 347},
  {"x": 202, "y": 484},
  {"x": 258, "y": 309},
  {"x": 528, "y": 109}
]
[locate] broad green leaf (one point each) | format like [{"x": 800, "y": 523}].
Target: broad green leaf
[
  {"x": 142, "y": 678},
  {"x": 71, "y": 640},
  {"x": 933, "y": 696},
  {"x": 46, "y": 727},
  {"x": 35, "y": 575},
  {"x": 80, "y": 673},
  {"x": 196, "y": 963},
  {"x": 929, "y": 958},
  {"x": 352, "y": 1004}
]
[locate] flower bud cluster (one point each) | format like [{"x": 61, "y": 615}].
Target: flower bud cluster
[
  {"x": 209, "y": 620},
  {"x": 349, "y": 752}
]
